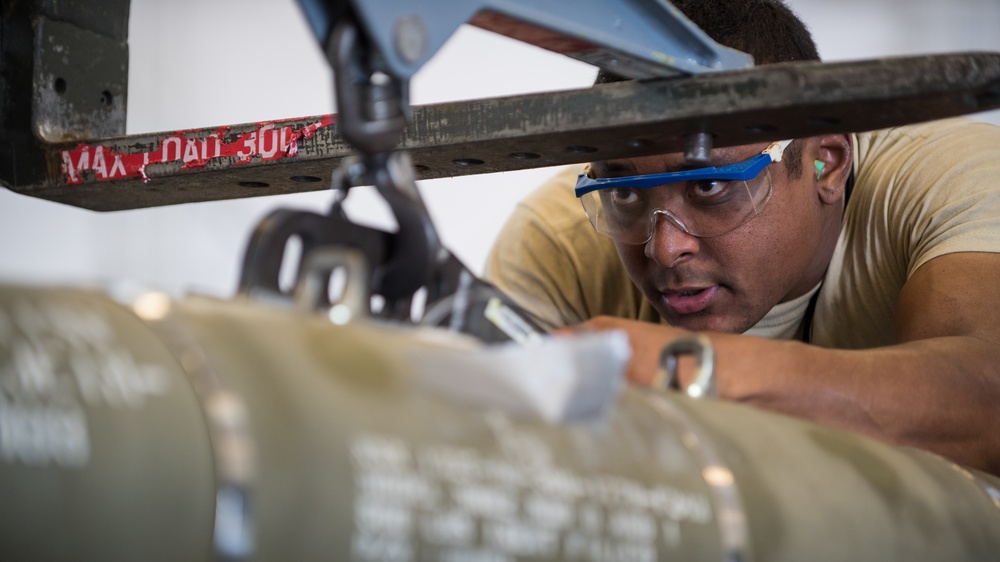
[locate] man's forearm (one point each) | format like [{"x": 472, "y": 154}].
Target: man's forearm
[{"x": 940, "y": 394}]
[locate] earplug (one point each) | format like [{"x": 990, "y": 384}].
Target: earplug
[{"x": 819, "y": 168}]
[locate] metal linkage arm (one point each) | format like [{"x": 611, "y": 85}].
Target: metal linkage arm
[{"x": 635, "y": 38}]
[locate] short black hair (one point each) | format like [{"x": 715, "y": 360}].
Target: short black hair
[{"x": 767, "y": 30}]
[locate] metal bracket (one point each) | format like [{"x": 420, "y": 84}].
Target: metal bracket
[
  {"x": 80, "y": 83},
  {"x": 317, "y": 268},
  {"x": 265, "y": 252},
  {"x": 66, "y": 60},
  {"x": 334, "y": 234}
]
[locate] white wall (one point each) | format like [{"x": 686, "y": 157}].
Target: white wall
[{"x": 197, "y": 63}]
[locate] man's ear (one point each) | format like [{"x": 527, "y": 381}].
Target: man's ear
[{"x": 829, "y": 160}]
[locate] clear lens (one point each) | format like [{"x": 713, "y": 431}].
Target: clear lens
[{"x": 703, "y": 208}]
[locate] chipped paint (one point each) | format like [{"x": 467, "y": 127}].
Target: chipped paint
[{"x": 193, "y": 149}]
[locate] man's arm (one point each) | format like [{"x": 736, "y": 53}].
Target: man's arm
[{"x": 938, "y": 388}]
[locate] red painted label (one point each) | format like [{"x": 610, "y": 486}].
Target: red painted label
[{"x": 270, "y": 141}]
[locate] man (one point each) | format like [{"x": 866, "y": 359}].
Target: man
[{"x": 861, "y": 270}]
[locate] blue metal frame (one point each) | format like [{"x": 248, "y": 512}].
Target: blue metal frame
[{"x": 635, "y": 38}]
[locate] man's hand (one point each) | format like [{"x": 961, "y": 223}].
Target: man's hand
[
  {"x": 938, "y": 388},
  {"x": 647, "y": 341}
]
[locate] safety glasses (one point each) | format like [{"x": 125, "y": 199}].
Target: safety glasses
[{"x": 703, "y": 202}]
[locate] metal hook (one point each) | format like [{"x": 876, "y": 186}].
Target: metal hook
[
  {"x": 372, "y": 105},
  {"x": 373, "y": 112},
  {"x": 704, "y": 354}
]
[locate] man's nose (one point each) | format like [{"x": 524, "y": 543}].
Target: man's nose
[{"x": 670, "y": 243}]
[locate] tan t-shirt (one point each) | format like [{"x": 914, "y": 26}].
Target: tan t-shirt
[{"x": 921, "y": 191}]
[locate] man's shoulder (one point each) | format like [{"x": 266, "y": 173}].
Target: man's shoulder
[
  {"x": 942, "y": 140},
  {"x": 552, "y": 261},
  {"x": 922, "y": 191},
  {"x": 906, "y": 168},
  {"x": 554, "y": 203}
]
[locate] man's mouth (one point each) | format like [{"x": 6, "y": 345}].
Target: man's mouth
[{"x": 690, "y": 300}]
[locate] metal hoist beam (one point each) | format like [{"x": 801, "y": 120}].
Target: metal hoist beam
[{"x": 70, "y": 147}]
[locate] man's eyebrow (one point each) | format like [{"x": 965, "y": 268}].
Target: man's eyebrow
[
  {"x": 617, "y": 169},
  {"x": 606, "y": 169},
  {"x": 622, "y": 168}
]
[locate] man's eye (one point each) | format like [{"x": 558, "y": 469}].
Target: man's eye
[
  {"x": 621, "y": 196},
  {"x": 709, "y": 189}
]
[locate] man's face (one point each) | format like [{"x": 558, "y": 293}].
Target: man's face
[{"x": 729, "y": 282}]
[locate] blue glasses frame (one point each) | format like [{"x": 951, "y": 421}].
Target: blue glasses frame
[{"x": 744, "y": 170}]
